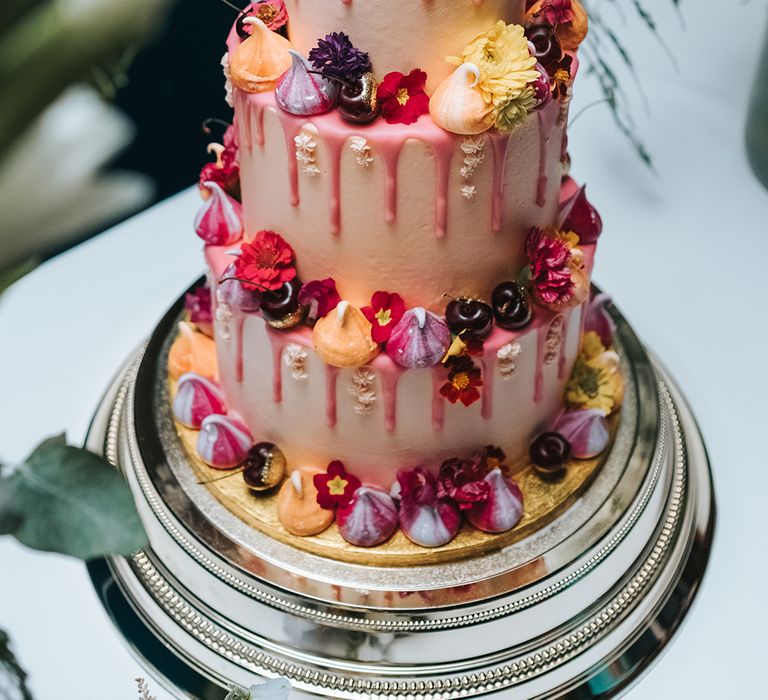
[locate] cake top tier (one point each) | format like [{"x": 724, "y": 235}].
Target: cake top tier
[{"x": 401, "y": 36}]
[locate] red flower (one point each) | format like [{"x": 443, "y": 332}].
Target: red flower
[
  {"x": 335, "y": 487},
  {"x": 320, "y": 297},
  {"x": 557, "y": 11},
  {"x": 418, "y": 486},
  {"x": 463, "y": 381},
  {"x": 494, "y": 458},
  {"x": 402, "y": 97},
  {"x": 266, "y": 263},
  {"x": 560, "y": 78},
  {"x": 384, "y": 312},
  {"x": 464, "y": 482},
  {"x": 550, "y": 260},
  {"x": 197, "y": 304},
  {"x": 225, "y": 170}
]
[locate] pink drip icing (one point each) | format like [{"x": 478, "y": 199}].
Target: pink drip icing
[
  {"x": 259, "y": 118},
  {"x": 564, "y": 344},
  {"x": 331, "y": 379},
  {"x": 489, "y": 366},
  {"x": 541, "y": 347},
  {"x": 244, "y": 124},
  {"x": 291, "y": 128},
  {"x": 500, "y": 145},
  {"x": 239, "y": 342},
  {"x": 443, "y": 150},
  {"x": 541, "y": 187},
  {"x": 277, "y": 341},
  {"x": 334, "y": 143},
  {"x": 389, "y": 374},
  {"x": 438, "y": 402},
  {"x": 390, "y": 154}
]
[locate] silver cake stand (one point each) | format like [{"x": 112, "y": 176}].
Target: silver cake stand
[{"x": 580, "y": 609}]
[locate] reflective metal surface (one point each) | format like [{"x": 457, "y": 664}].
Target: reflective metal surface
[{"x": 579, "y": 609}]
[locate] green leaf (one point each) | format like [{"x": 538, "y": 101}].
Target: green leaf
[
  {"x": 13, "y": 678},
  {"x": 68, "y": 500}
]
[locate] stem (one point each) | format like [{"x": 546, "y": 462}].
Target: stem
[
  {"x": 346, "y": 84},
  {"x": 242, "y": 281},
  {"x": 233, "y": 6},
  {"x": 221, "y": 478},
  {"x": 214, "y": 120}
]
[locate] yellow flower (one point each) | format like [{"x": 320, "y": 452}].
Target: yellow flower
[
  {"x": 594, "y": 386},
  {"x": 570, "y": 238},
  {"x": 591, "y": 346},
  {"x": 506, "y": 69},
  {"x": 509, "y": 114}
]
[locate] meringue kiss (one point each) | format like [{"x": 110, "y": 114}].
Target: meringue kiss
[
  {"x": 220, "y": 219},
  {"x": 419, "y": 339},
  {"x": 503, "y": 508},
  {"x": 369, "y": 519},
  {"x": 586, "y": 430},
  {"x": 342, "y": 338},
  {"x": 196, "y": 399},
  {"x": 303, "y": 93},
  {"x": 297, "y": 506},
  {"x": 223, "y": 442}
]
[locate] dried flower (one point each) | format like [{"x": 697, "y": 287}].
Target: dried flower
[
  {"x": 335, "y": 487},
  {"x": 464, "y": 380},
  {"x": 463, "y": 481},
  {"x": 557, "y": 12},
  {"x": 336, "y": 57},
  {"x": 266, "y": 263},
  {"x": 550, "y": 259},
  {"x": 561, "y": 77},
  {"x": 197, "y": 304},
  {"x": 402, "y": 97},
  {"x": 384, "y": 312},
  {"x": 319, "y": 297}
]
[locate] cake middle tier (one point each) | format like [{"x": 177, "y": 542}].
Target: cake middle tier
[{"x": 407, "y": 209}]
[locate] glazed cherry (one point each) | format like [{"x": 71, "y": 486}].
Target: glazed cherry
[
  {"x": 277, "y": 304},
  {"x": 511, "y": 307},
  {"x": 357, "y": 100},
  {"x": 550, "y": 452},
  {"x": 470, "y": 315},
  {"x": 546, "y": 44},
  {"x": 264, "y": 467}
]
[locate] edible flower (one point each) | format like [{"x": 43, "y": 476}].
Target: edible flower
[
  {"x": 507, "y": 72},
  {"x": 557, "y": 12},
  {"x": 596, "y": 382},
  {"x": 463, "y": 344},
  {"x": 417, "y": 485},
  {"x": 266, "y": 263},
  {"x": 225, "y": 170},
  {"x": 402, "y": 97},
  {"x": 384, "y": 312},
  {"x": 494, "y": 458},
  {"x": 197, "y": 304},
  {"x": 561, "y": 77},
  {"x": 335, "y": 487},
  {"x": 319, "y": 297},
  {"x": 550, "y": 258},
  {"x": 463, "y": 481},
  {"x": 272, "y": 12},
  {"x": 336, "y": 57},
  {"x": 464, "y": 380}
]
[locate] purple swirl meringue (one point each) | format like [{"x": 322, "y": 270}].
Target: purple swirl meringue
[
  {"x": 196, "y": 399},
  {"x": 503, "y": 508},
  {"x": 425, "y": 519},
  {"x": 220, "y": 220},
  {"x": 599, "y": 321},
  {"x": 419, "y": 339},
  {"x": 223, "y": 442},
  {"x": 303, "y": 93},
  {"x": 231, "y": 292},
  {"x": 369, "y": 519},
  {"x": 586, "y": 430}
]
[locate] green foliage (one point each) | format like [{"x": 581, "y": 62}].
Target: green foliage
[
  {"x": 68, "y": 500},
  {"x": 13, "y": 679}
]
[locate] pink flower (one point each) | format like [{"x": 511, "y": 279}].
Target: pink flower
[
  {"x": 320, "y": 297},
  {"x": 464, "y": 482},
  {"x": 225, "y": 170},
  {"x": 557, "y": 11},
  {"x": 418, "y": 486},
  {"x": 550, "y": 259},
  {"x": 272, "y": 12},
  {"x": 197, "y": 304},
  {"x": 266, "y": 263},
  {"x": 402, "y": 97}
]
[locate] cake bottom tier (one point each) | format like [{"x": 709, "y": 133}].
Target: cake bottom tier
[
  {"x": 381, "y": 418},
  {"x": 579, "y": 608}
]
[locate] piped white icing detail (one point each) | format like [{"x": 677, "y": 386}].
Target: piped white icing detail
[
  {"x": 554, "y": 340},
  {"x": 296, "y": 481},
  {"x": 229, "y": 97},
  {"x": 421, "y": 315},
  {"x": 362, "y": 151},
  {"x": 508, "y": 357},
  {"x": 295, "y": 359},
  {"x": 224, "y": 317},
  {"x": 468, "y": 191},
  {"x": 473, "y": 148},
  {"x": 306, "y": 148},
  {"x": 362, "y": 390}
]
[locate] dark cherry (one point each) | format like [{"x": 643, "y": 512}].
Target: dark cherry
[
  {"x": 469, "y": 315},
  {"x": 511, "y": 307},
  {"x": 546, "y": 45},
  {"x": 277, "y": 304},
  {"x": 264, "y": 467},
  {"x": 550, "y": 452},
  {"x": 358, "y": 103}
]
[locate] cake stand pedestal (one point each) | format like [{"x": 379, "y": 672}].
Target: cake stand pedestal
[{"x": 580, "y": 609}]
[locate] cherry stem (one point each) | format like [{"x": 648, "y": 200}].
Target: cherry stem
[
  {"x": 234, "y": 7},
  {"x": 214, "y": 120},
  {"x": 221, "y": 478},
  {"x": 345, "y": 83},
  {"x": 242, "y": 281}
]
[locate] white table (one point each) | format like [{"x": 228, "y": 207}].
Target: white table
[{"x": 683, "y": 254}]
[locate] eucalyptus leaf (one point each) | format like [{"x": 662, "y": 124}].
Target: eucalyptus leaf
[
  {"x": 13, "y": 678},
  {"x": 67, "y": 500}
]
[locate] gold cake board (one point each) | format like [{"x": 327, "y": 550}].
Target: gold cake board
[{"x": 579, "y": 607}]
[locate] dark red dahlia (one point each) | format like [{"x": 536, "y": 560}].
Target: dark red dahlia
[{"x": 550, "y": 259}]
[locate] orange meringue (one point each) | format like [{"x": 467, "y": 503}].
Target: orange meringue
[
  {"x": 343, "y": 339},
  {"x": 297, "y": 505},
  {"x": 259, "y": 61},
  {"x": 458, "y": 106},
  {"x": 192, "y": 351}
]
